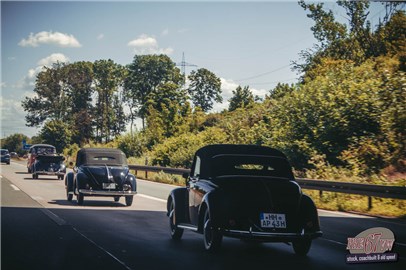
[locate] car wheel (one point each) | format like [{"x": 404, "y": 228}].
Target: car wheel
[
  {"x": 80, "y": 198},
  {"x": 212, "y": 237},
  {"x": 116, "y": 198},
  {"x": 129, "y": 200},
  {"x": 302, "y": 247},
  {"x": 69, "y": 196},
  {"x": 34, "y": 176},
  {"x": 176, "y": 233}
]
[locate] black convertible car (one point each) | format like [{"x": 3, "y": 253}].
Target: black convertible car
[
  {"x": 243, "y": 191},
  {"x": 101, "y": 172}
]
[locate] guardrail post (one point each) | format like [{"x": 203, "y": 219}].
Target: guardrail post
[
  {"x": 369, "y": 202},
  {"x": 321, "y": 193}
]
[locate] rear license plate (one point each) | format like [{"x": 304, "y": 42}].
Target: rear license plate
[
  {"x": 271, "y": 220},
  {"x": 109, "y": 185}
]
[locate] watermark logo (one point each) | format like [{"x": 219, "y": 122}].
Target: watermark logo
[{"x": 372, "y": 245}]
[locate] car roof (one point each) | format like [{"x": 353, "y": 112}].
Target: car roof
[
  {"x": 42, "y": 145},
  {"x": 212, "y": 150},
  {"x": 87, "y": 156}
]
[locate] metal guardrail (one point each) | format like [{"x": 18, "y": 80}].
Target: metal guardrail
[{"x": 381, "y": 191}]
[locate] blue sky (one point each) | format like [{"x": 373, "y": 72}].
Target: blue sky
[{"x": 243, "y": 43}]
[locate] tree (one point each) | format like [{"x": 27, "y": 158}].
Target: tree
[
  {"x": 50, "y": 101},
  {"x": 204, "y": 89},
  {"x": 14, "y": 143},
  {"x": 145, "y": 74},
  {"x": 108, "y": 117},
  {"x": 241, "y": 98},
  {"x": 56, "y": 133},
  {"x": 281, "y": 89},
  {"x": 355, "y": 41}
]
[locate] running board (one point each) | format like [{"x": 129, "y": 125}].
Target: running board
[{"x": 188, "y": 227}]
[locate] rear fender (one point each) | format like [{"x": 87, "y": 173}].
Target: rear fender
[
  {"x": 210, "y": 202},
  {"x": 179, "y": 197},
  {"x": 309, "y": 217}
]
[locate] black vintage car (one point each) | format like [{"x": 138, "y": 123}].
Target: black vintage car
[
  {"x": 243, "y": 191},
  {"x": 43, "y": 160},
  {"x": 101, "y": 172}
]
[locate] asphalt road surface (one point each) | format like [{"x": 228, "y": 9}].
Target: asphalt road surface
[{"x": 40, "y": 229}]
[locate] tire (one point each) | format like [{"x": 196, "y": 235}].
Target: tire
[
  {"x": 129, "y": 200},
  {"x": 80, "y": 198},
  {"x": 69, "y": 197},
  {"x": 116, "y": 198},
  {"x": 212, "y": 238},
  {"x": 34, "y": 176},
  {"x": 176, "y": 233},
  {"x": 302, "y": 247}
]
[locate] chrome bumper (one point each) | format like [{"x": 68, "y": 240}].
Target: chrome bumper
[
  {"x": 106, "y": 192},
  {"x": 48, "y": 173},
  {"x": 270, "y": 236}
]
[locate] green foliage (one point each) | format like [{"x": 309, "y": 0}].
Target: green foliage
[
  {"x": 242, "y": 97},
  {"x": 14, "y": 143},
  {"x": 56, "y": 133},
  {"x": 133, "y": 145},
  {"x": 179, "y": 151},
  {"x": 145, "y": 75},
  {"x": 204, "y": 89}
]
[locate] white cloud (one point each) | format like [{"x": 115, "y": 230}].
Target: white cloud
[
  {"x": 29, "y": 80},
  {"x": 227, "y": 88},
  {"x": 53, "y": 58},
  {"x": 55, "y": 38},
  {"x": 145, "y": 44}
]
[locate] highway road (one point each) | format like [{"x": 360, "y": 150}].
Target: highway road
[{"x": 40, "y": 229}]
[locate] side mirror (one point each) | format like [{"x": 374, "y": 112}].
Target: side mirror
[
  {"x": 185, "y": 175},
  {"x": 71, "y": 164}
]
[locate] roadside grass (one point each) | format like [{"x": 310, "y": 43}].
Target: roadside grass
[{"x": 358, "y": 204}]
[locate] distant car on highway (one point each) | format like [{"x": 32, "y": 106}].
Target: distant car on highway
[
  {"x": 101, "y": 172},
  {"x": 5, "y": 156},
  {"x": 43, "y": 160},
  {"x": 246, "y": 192}
]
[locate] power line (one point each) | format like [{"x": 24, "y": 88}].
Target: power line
[{"x": 262, "y": 74}]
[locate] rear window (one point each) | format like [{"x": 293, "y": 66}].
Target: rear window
[
  {"x": 251, "y": 165},
  {"x": 4, "y": 152},
  {"x": 44, "y": 150}
]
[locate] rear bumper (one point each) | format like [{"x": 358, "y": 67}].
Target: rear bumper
[
  {"x": 59, "y": 173},
  {"x": 106, "y": 192},
  {"x": 271, "y": 237}
]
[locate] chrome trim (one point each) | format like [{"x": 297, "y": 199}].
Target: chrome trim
[
  {"x": 270, "y": 235},
  {"x": 188, "y": 227},
  {"x": 48, "y": 173},
  {"x": 106, "y": 192}
]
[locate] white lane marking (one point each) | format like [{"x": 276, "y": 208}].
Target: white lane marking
[
  {"x": 54, "y": 217},
  {"x": 37, "y": 198},
  {"x": 15, "y": 187},
  {"x": 101, "y": 248},
  {"x": 151, "y": 198}
]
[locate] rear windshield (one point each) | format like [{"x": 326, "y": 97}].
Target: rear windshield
[
  {"x": 44, "y": 150},
  {"x": 224, "y": 165},
  {"x": 4, "y": 152}
]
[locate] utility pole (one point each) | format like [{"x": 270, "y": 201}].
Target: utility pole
[{"x": 183, "y": 66}]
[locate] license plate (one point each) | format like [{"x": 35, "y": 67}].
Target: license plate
[
  {"x": 271, "y": 220},
  {"x": 109, "y": 185}
]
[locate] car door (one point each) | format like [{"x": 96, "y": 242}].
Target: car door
[{"x": 192, "y": 189}]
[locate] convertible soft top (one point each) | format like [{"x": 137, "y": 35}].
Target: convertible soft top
[
  {"x": 240, "y": 159},
  {"x": 100, "y": 156}
]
